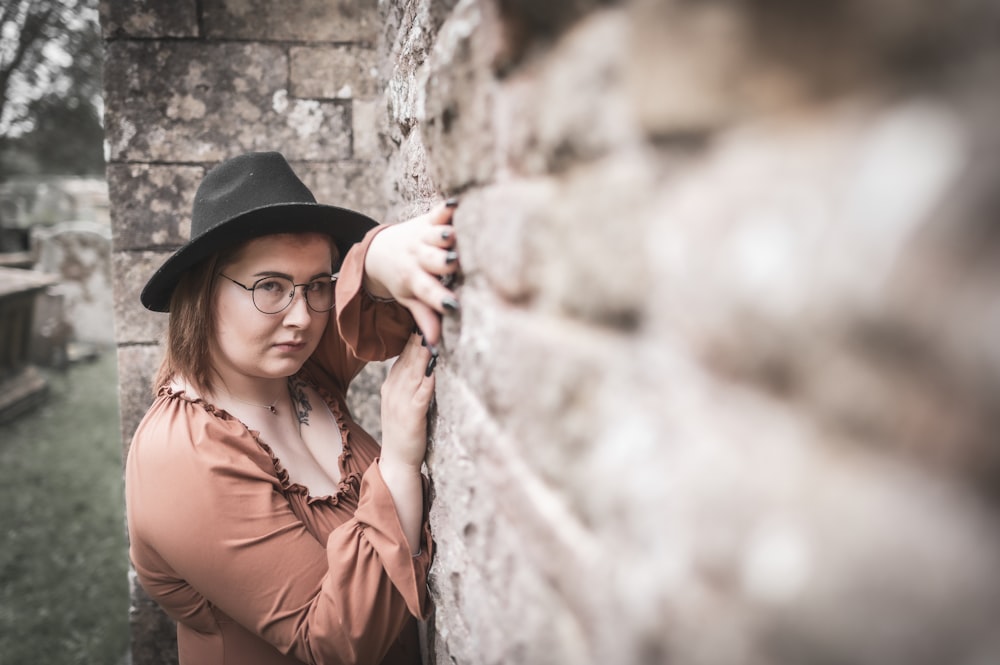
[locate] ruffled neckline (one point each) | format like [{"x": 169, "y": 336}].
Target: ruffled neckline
[{"x": 350, "y": 482}]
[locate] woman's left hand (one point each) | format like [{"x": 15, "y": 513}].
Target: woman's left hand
[{"x": 406, "y": 261}]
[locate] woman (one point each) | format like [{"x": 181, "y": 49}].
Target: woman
[{"x": 261, "y": 517}]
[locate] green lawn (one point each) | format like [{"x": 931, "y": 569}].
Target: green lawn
[{"x": 63, "y": 584}]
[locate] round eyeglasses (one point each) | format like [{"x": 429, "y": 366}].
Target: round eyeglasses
[{"x": 274, "y": 293}]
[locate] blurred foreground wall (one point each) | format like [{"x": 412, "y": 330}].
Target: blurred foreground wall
[{"x": 725, "y": 387}]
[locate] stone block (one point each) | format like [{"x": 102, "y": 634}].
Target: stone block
[
  {"x": 354, "y": 185},
  {"x": 149, "y": 18},
  {"x": 575, "y": 98},
  {"x": 134, "y": 324},
  {"x": 304, "y": 21},
  {"x": 364, "y": 397},
  {"x": 411, "y": 190},
  {"x": 152, "y": 204},
  {"x": 184, "y": 102},
  {"x": 137, "y": 367},
  {"x": 367, "y": 126},
  {"x": 573, "y": 246},
  {"x": 494, "y": 225},
  {"x": 459, "y": 99},
  {"x": 333, "y": 72}
]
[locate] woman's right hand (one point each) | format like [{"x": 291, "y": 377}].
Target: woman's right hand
[{"x": 406, "y": 396}]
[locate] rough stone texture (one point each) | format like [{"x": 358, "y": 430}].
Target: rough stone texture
[
  {"x": 152, "y": 204},
  {"x": 204, "y": 102},
  {"x": 711, "y": 367},
  {"x": 306, "y": 20},
  {"x": 724, "y": 387},
  {"x": 149, "y": 18},
  {"x": 337, "y": 72}
]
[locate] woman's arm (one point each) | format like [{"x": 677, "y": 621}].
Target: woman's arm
[
  {"x": 406, "y": 396},
  {"x": 405, "y": 261}
]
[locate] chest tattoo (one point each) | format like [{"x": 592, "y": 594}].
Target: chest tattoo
[{"x": 297, "y": 388}]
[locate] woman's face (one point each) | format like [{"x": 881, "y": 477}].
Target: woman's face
[{"x": 251, "y": 345}]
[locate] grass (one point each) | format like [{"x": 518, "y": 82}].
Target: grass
[{"x": 63, "y": 560}]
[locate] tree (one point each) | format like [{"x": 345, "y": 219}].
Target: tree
[{"x": 50, "y": 87}]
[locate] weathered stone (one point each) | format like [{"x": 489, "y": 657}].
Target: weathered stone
[
  {"x": 354, "y": 185},
  {"x": 152, "y": 204},
  {"x": 149, "y": 18},
  {"x": 367, "y": 121},
  {"x": 174, "y": 101},
  {"x": 137, "y": 368},
  {"x": 588, "y": 62},
  {"x": 79, "y": 253},
  {"x": 459, "y": 103},
  {"x": 364, "y": 398},
  {"x": 307, "y": 20},
  {"x": 333, "y": 72},
  {"x": 415, "y": 192},
  {"x": 134, "y": 323}
]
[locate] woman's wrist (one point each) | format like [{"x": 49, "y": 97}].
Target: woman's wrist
[{"x": 390, "y": 464}]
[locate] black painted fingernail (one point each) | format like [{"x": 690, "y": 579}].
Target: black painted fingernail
[
  {"x": 452, "y": 202},
  {"x": 430, "y": 365},
  {"x": 451, "y": 257},
  {"x": 450, "y": 304},
  {"x": 445, "y": 234},
  {"x": 423, "y": 340}
]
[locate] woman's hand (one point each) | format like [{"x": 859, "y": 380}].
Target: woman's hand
[
  {"x": 406, "y": 396},
  {"x": 405, "y": 262}
]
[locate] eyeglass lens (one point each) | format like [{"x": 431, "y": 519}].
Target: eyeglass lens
[{"x": 273, "y": 294}]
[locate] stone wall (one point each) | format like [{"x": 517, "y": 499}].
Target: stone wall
[
  {"x": 726, "y": 383},
  {"x": 725, "y": 386}
]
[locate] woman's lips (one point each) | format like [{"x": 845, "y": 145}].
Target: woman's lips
[{"x": 290, "y": 346}]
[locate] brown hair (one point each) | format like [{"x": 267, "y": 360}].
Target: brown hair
[{"x": 192, "y": 325}]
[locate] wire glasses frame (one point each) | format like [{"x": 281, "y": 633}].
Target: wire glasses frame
[{"x": 273, "y": 294}]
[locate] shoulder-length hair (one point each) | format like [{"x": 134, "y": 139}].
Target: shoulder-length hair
[{"x": 191, "y": 326}]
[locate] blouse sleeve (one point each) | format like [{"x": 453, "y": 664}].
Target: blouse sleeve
[
  {"x": 363, "y": 328},
  {"x": 207, "y": 513}
]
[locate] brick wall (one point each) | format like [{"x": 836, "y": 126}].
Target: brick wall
[{"x": 726, "y": 383}]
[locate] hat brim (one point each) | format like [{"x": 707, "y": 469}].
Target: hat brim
[{"x": 345, "y": 226}]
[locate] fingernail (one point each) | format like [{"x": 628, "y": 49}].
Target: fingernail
[
  {"x": 452, "y": 202},
  {"x": 430, "y": 365},
  {"x": 450, "y": 304},
  {"x": 451, "y": 257},
  {"x": 434, "y": 350},
  {"x": 423, "y": 340},
  {"x": 445, "y": 234}
]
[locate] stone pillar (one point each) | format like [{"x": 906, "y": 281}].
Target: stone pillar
[
  {"x": 189, "y": 84},
  {"x": 725, "y": 384}
]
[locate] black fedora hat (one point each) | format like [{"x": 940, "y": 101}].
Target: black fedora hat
[{"x": 249, "y": 196}]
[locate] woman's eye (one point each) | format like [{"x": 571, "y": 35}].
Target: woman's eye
[
  {"x": 320, "y": 286},
  {"x": 270, "y": 286}
]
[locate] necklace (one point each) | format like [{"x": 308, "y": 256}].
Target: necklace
[{"x": 270, "y": 407}]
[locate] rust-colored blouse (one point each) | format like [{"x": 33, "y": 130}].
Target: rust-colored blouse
[{"x": 255, "y": 570}]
